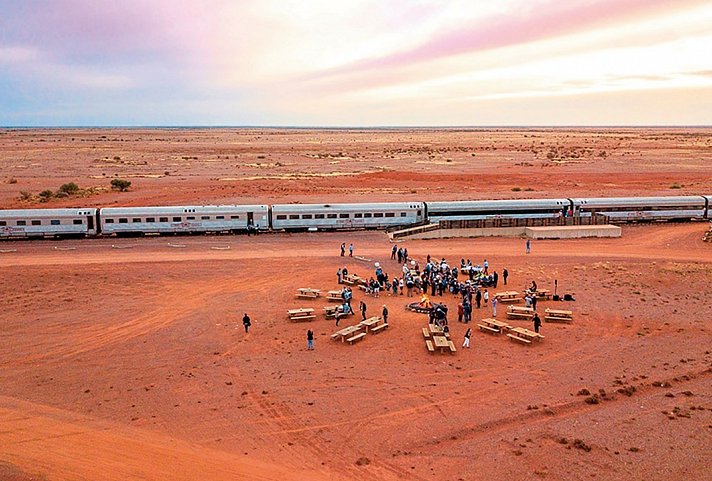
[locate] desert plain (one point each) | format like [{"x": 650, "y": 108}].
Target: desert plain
[{"x": 126, "y": 358}]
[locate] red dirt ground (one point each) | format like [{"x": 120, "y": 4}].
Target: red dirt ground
[{"x": 126, "y": 358}]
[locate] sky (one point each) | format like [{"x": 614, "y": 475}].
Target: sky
[{"x": 355, "y": 62}]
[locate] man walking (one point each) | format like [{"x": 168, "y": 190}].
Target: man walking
[
  {"x": 505, "y": 274},
  {"x": 351, "y": 250},
  {"x": 343, "y": 249},
  {"x": 468, "y": 333},
  {"x": 362, "y": 307},
  {"x": 537, "y": 322},
  {"x": 528, "y": 246},
  {"x": 246, "y": 322},
  {"x": 385, "y": 314},
  {"x": 494, "y": 307},
  {"x": 310, "y": 340}
]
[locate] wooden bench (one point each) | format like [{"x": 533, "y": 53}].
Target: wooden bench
[
  {"x": 513, "y": 314},
  {"x": 520, "y": 339},
  {"x": 488, "y": 329},
  {"x": 301, "y": 318},
  {"x": 557, "y": 319},
  {"x": 355, "y": 338},
  {"x": 429, "y": 345},
  {"x": 452, "y": 346},
  {"x": 509, "y": 299},
  {"x": 377, "y": 329},
  {"x": 426, "y": 333}
]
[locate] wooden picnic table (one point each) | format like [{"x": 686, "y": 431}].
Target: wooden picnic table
[
  {"x": 301, "y": 314},
  {"x": 558, "y": 315},
  {"x": 507, "y": 296},
  {"x": 496, "y": 324},
  {"x": 520, "y": 311},
  {"x": 441, "y": 342},
  {"x": 308, "y": 293},
  {"x": 437, "y": 331},
  {"x": 371, "y": 322},
  {"x": 526, "y": 334},
  {"x": 352, "y": 279},
  {"x": 334, "y": 296},
  {"x": 346, "y": 332}
]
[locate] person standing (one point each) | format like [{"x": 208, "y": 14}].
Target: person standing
[
  {"x": 505, "y": 274},
  {"x": 343, "y": 249},
  {"x": 310, "y": 340},
  {"x": 393, "y": 251},
  {"x": 466, "y": 343},
  {"x": 485, "y": 264},
  {"x": 528, "y": 246},
  {"x": 385, "y": 314},
  {"x": 485, "y": 296},
  {"x": 246, "y": 322},
  {"x": 351, "y": 250},
  {"x": 460, "y": 312},
  {"x": 495, "y": 279},
  {"x": 494, "y": 306},
  {"x": 478, "y": 298},
  {"x": 338, "y": 276},
  {"x": 362, "y": 308},
  {"x": 533, "y": 295},
  {"x": 537, "y": 322}
]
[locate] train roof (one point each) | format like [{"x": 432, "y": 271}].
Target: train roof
[
  {"x": 497, "y": 204},
  {"x": 47, "y": 212},
  {"x": 640, "y": 201},
  {"x": 182, "y": 209},
  {"x": 347, "y": 207}
]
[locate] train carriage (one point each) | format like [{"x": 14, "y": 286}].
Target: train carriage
[
  {"x": 48, "y": 222},
  {"x": 183, "y": 219},
  {"x": 494, "y": 209},
  {"x": 627, "y": 209},
  {"x": 346, "y": 216}
]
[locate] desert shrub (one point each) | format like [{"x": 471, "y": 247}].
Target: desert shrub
[
  {"x": 12, "y": 180},
  {"x": 120, "y": 184},
  {"x": 46, "y": 195},
  {"x": 676, "y": 186},
  {"x": 24, "y": 195},
  {"x": 70, "y": 189},
  {"x": 516, "y": 189}
]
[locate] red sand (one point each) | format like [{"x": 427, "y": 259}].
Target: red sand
[{"x": 132, "y": 363}]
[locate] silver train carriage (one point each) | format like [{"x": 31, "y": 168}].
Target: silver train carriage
[
  {"x": 627, "y": 209},
  {"x": 183, "y": 219},
  {"x": 48, "y": 222},
  {"x": 494, "y": 209},
  {"x": 346, "y": 216}
]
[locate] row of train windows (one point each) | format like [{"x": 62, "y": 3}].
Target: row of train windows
[
  {"x": 125, "y": 220},
  {"x": 340, "y": 216},
  {"x": 3, "y": 223}
]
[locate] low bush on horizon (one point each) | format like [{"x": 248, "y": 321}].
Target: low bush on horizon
[{"x": 120, "y": 184}]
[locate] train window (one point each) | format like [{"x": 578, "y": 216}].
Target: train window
[
  {"x": 177, "y": 219},
  {"x": 150, "y": 219},
  {"x": 378, "y": 214},
  {"x": 219, "y": 217},
  {"x": 368, "y": 214},
  {"x": 403, "y": 214},
  {"x": 294, "y": 216},
  {"x": 123, "y": 221},
  {"x": 36, "y": 222},
  {"x": 318, "y": 216},
  {"x": 163, "y": 219},
  {"x": 21, "y": 222},
  {"x": 390, "y": 214},
  {"x": 358, "y": 215},
  {"x": 281, "y": 217},
  {"x": 306, "y": 216},
  {"x": 54, "y": 222},
  {"x": 418, "y": 212},
  {"x": 108, "y": 221},
  {"x": 190, "y": 217},
  {"x": 331, "y": 216},
  {"x": 234, "y": 216},
  {"x": 77, "y": 222},
  {"x": 344, "y": 216},
  {"x": 136, "y": 220},
  {"x": 204, "y": 217},
  {"x": 3, "y": 223}
]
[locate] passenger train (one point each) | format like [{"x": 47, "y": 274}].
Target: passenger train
[{"x": 125, "y": 221}]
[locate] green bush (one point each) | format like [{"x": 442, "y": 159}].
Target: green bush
[
  {"x": 46, "y": 195},
  {"x": 120, "y": 184},
  {"x": 516, "y": 189},
  {"x": 69, "y": 189}
]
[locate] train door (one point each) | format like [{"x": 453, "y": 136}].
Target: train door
[
  {"x": 90, "y": 222},
  {"x": 250, "y": 218}
]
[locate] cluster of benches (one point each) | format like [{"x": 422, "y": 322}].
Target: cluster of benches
[
  {"x": 436, "y": 338},
  {"x": 357, "y": 332},
  {"x": 518, "y": 334},
  {"x": 558, "y": 315}
]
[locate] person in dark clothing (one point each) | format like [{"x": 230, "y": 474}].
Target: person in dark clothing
[
  {"x": 505, "y": 274},
  {"x": 246, "y": 322},
  {"x": 533, "y": 298},
  {"x": 393, "y": 251},
  {"x": 362, "y": 307},
  {"x": 495, "y": 278},
  {"x": 478, "y": 298},
  {"x": 537, "y": 322},
  {"x": 310, "y": 340},
  {"x": 385, "y": 314},
  {"x": 343, "y": 249}
]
